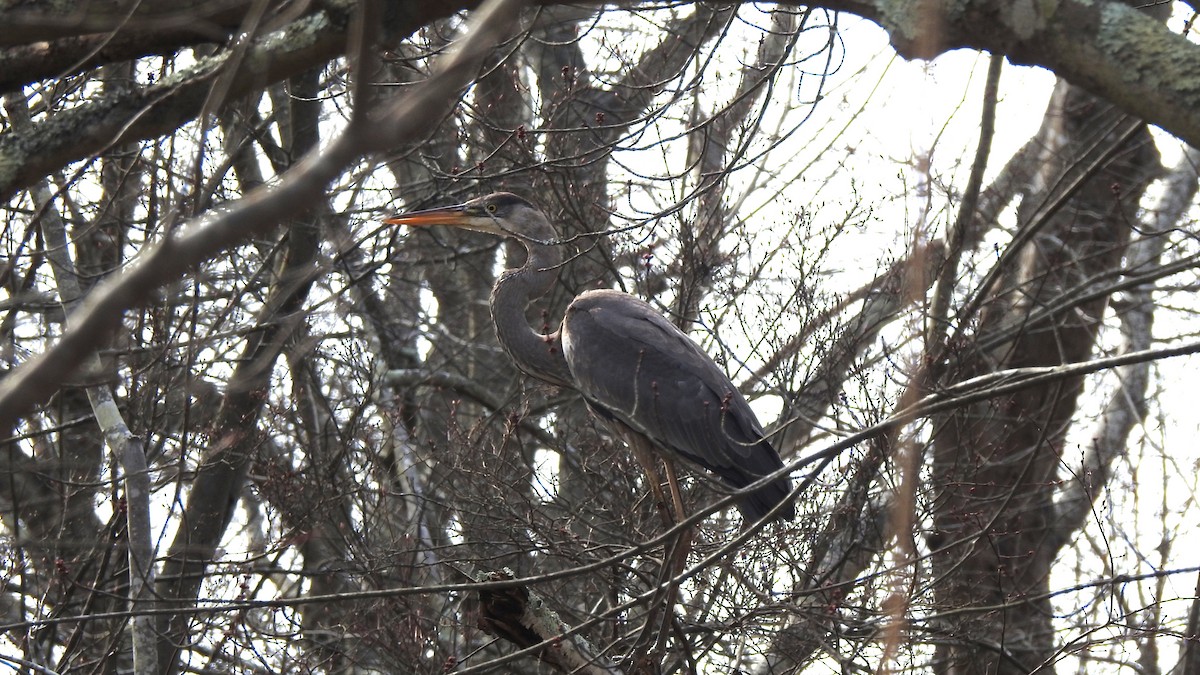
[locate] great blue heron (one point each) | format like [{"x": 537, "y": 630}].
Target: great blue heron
[{"x": 635, "y": 369}]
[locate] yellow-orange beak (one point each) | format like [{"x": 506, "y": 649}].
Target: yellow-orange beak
[
  {"x": 466, "y": 216},
  {"x": 448, "y": 215}
]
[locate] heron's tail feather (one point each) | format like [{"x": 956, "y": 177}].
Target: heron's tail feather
[{"x": 756, "y": 505}]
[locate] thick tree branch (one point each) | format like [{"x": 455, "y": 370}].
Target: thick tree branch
[
  {"x": 29, "y": 63},
  {"x": 521, "y": 616},
  {"x": 936, "y": 326},
  {"x": 1189, "y": 651},
  {"x": 219, "y": 479},
  {"x": 34, "y": 21},
  {"x": 992, "y": 462},
  {"x": 1107, "y": 47},
  {"x": 160, "y": 108}
]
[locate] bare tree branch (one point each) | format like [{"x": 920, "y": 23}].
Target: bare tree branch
[
  {"x": 125, "y": 446},
  {"x": 40, "y": 21},
  {"x": 882, "y": 301},
  {"x": 101, "y": 312},
  {"x": 161, "y": 107},
  {"x": 1078, "y": 40},
  {"x": 1127, "y": 406},
  {"x": 851, "y": 539},
  {"x": 1189, "y": 651},
  {"x": 520, "y": 615}
]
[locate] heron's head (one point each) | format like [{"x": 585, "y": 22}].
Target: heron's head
[{"x": 500, "y": 213}]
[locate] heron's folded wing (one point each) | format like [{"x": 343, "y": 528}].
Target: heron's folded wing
[{"x": 627, "y": 359}]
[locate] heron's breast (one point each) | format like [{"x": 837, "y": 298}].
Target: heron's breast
[
  {"x": 565, "y": 340},
  {"x": 570, "y": 345}
]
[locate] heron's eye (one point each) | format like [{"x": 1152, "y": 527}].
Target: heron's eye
[{"x": 491, "y": 208}]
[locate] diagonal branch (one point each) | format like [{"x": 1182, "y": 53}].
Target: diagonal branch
[
  {"x": 160, "y": 108},
  {"x": 403, "y": 120},
  {"x": 32, "y": 21}
]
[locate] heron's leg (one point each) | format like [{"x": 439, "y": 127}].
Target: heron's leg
[
  {"x": 676, "y": 496},
  {"x": 649, "y": 461},
  {"x": 651, "y": 643},
  {"x": 675, "y": 560},
  {"x": 660, "y": 499}
]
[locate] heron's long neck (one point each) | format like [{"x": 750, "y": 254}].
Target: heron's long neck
[{"x": 536, "y": 353}]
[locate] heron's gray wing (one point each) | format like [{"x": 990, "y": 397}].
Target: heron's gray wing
[{"x": 629, "y": 362}]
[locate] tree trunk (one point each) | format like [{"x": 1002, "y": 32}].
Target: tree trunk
[{"x": 998, "y": 461}]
